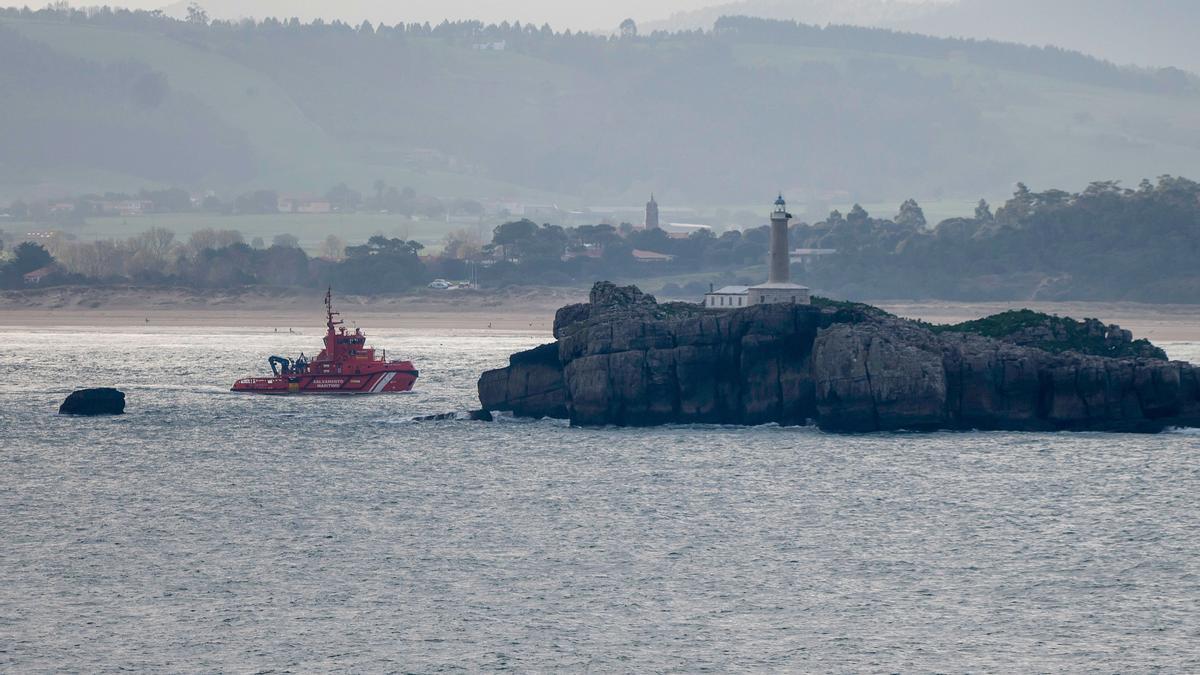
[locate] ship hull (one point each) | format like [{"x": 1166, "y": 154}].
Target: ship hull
[{"x": 381, "y": 382}]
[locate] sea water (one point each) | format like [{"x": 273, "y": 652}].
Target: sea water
[{"x": 206, "y": 530}]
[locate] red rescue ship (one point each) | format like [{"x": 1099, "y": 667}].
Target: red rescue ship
[{"x": 345, "y": 366}]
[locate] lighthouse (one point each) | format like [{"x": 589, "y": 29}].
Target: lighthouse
[
  {"x": 779, "y": 288},
  {"x": 779, "y": 273}
]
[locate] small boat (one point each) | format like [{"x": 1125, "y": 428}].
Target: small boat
[{"x": 345, "y": 366}]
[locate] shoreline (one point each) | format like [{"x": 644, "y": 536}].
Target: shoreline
[{"x": 511, "y": 310}]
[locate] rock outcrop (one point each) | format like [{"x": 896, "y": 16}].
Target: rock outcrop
[
  {"x": 624, "y": 359},
  {"x": 100, "y": 401}
]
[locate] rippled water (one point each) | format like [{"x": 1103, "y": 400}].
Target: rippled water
[{"x": 212, "y": 531}]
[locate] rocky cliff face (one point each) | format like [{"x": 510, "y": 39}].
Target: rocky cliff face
[{"x": 624, "y": 359}]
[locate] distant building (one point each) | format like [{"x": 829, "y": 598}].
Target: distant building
[
  {"x": 806, "y": 256},
  {"x": 545, "y": 212},
  {"x": 726, "y": 297},
  {"x": 681, "y": 230},
  {"x": 303, "y": 204},
  {"x": 35, "y": 277},
  {"x": 651, "y": 214},
  {"x": 651, "y": 257},
  {"x": 779, "y": 288},
  {"x": 125, "y": 207}
]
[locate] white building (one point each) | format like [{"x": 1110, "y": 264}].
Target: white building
[
  {"x": 726, "y": 297},
  {"x": 779, "y": 287}
]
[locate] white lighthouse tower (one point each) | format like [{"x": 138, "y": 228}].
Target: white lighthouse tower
[{"x": 779, "y": 287}]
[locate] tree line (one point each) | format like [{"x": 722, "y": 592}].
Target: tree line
[
  {"x": 1106, "y": 242},
  {"x": 218, "y": 258},
  {"x": 382, "y": 198}
]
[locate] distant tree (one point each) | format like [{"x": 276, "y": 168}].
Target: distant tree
[
  {"x": 511, "y": 236},
  {"x": 466, "y": 207},
  {"x": 212, "y": 203},
  {"x": 171, "y": 200},
  {"x": 211, "y": 239},
  {"x": 333, "y": 248},
  {"x": 196, "y": 14},
  {"x": 379, "y": 186},
  {"x": 858, "y": 215},
  {"x": 343, "y": 198},
  {"x": 259, "y": 201},
  {"x": 258, "y": 244},
  {"x": 1022, "y": 194},
  {"x": 628, "y": 28},
  {"x": 29, "y": 256},
  {"x": 983, "y": 212},
  {"x": 911, "y": 215},
  {"x": 462, "y": 244},
  {"x": 157, "y": 242},
  {"x": 285, "y": 241}
]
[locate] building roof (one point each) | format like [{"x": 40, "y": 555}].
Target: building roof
[
  {"x": 730, "y": 290},
  {"x": 40, "y": 273},
  {"x": 785, "y": 286},
  {"x": 651, "y": 255}
]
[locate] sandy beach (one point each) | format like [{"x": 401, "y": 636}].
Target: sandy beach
[{"x": 525, "y": 310}]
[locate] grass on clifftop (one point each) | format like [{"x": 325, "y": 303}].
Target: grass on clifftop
[{"x": 1052, "y": 333}]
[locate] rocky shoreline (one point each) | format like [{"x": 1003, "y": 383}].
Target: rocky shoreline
[{"x": 625, "y": 359}]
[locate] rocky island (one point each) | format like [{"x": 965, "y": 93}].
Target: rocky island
[{"x": 624, "y": 359}]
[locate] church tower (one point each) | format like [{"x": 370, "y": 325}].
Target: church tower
[{"x": 651, "y": 214}]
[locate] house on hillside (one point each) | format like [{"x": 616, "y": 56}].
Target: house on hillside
[
  {"x": 807, "y": 256},
  {"x": 303, "y": 204},
  {"x": 125, "y": 207},
  {"x": 650, "y": 257},
  {"x": 682, "y": 230},
  {"x": 35, "y": 277}
]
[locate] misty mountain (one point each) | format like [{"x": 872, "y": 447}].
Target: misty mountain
[
  {"x": 1160, "y": 33},
  {"x": 468, "y": 110}
]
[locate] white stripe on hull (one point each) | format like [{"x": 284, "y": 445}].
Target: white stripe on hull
[{"x": 383, "y": 382}]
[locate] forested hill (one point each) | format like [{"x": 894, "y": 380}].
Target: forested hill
[{"x": 121, "y": 100}]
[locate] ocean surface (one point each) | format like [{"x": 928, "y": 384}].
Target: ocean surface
[{"x": 211, "y": 531}]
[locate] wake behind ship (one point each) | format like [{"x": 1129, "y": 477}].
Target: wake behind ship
[{"x": 345, "y": 366}]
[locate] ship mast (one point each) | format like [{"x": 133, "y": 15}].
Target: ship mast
[{"x": 329, "y": 313}]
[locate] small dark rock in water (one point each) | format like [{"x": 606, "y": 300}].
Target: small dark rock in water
[{"x": 100, "y": 401}]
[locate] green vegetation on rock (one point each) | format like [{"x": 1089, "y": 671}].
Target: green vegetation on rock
[{"x": 1056, "y": 334}]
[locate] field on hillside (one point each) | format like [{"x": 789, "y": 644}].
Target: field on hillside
[
  {"x": 311, "y": 229},
  {"x": 551, "y": 118}
]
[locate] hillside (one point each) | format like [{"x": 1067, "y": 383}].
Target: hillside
[
  {"x": 1158, "y": 34},
  {"x": 520, "y": 112}
]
